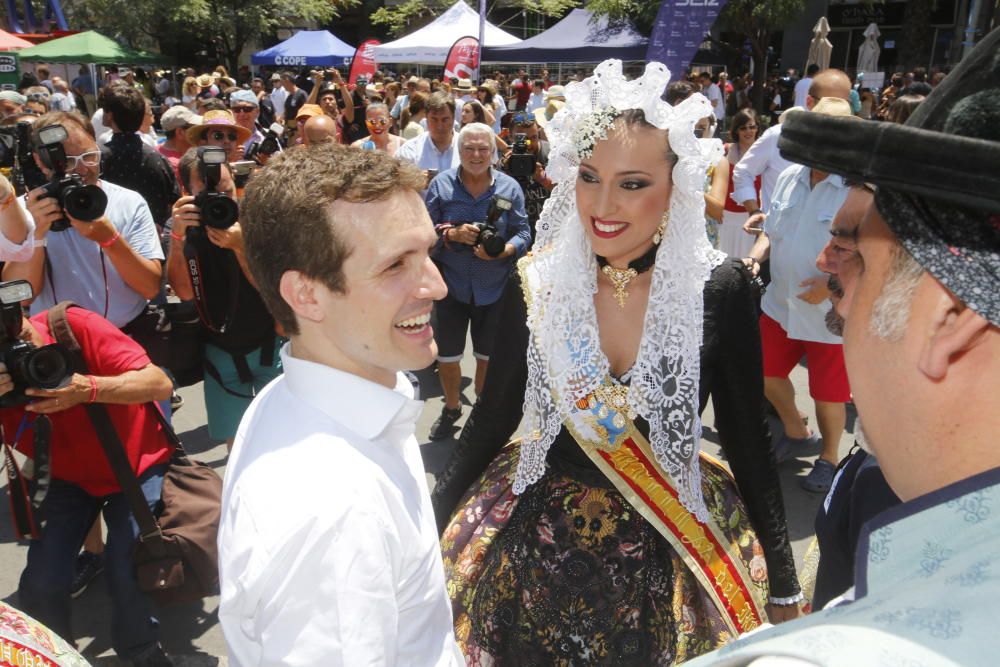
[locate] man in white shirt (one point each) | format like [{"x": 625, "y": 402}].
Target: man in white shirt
[
  {"x": 795, "y": 305},
  {"x": 763, "y": 158},
  {"x": 278, "y": 95},
  {"x": 435, "y": 150},
  {"x": 328, "y": 550},
  {"x": 802, "y": 85},
  {"x": 715, "y": 96},
  {"x": 537, "y": 99}
]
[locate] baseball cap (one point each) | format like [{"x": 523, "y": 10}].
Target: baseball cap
[
  {"x": 178, "y": 116},
  {"x": 244, "y": 96}
]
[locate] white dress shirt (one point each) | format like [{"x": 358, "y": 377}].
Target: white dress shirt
[
  {"x": 422, "y": 152},
  {"x": 328, "y": 549},
  {"x": 278, "y": 97},
  {"x": 717, "y": 99},
  {"x": 764, "y": 160},
  {"x": 798, "y": 227},
  {"x": 802, "y": 91}
]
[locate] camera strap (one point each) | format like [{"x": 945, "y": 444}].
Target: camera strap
[
  {"x": 25, "y": 505},
  {"x": 104, "y": 272},
  {"x": 193, "y": 260}
]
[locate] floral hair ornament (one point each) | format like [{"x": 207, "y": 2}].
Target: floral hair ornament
[
  {"x": 592, "y": 129},
  {"x": 565, "y": 361}
]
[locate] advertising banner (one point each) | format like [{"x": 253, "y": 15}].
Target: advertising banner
[
  {"x": 680, "y": 28},
  {"x": 463, "y": 59},
  {"x": 363, "y": 63}
]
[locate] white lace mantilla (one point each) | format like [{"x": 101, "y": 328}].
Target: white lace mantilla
[{"x": 565, "y": 360}]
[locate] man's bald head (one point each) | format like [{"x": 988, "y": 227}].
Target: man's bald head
[
  {"x": 829, "y": 83},
  {"x": 319, "y": 130}
]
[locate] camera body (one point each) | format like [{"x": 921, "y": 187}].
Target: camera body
[
  {"x": 269, "y": 145},
  {"x": 489, "y": 236},
  {"x": 17, "y": 154},
  {"x": 30, "y": 367},
  {"x": 78, "y": 199},
  {"x": 521, "y": 163},
  {"x": 218, "y": 210}
]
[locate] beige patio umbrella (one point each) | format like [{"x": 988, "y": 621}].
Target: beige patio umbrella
[
  {"x": 869, "y": 50},
  {"x": 820, "y": 47}
]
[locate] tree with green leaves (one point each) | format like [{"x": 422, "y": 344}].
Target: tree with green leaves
[
  {"x": 410, "y": 14},
  {"x": 755, "y": 20},
  {"x": 225, "y": 27}
]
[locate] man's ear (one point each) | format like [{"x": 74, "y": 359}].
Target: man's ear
[
  {"x": 301, "y": 294},
  {"x": 955, "y": 329}
]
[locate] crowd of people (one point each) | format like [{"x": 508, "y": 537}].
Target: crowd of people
[{"x": 620, "y": 251}]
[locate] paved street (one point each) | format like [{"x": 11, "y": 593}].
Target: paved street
[{"x": 192, "y": 634}]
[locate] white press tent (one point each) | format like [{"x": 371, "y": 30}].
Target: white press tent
[{"x": 430, "y": 44}]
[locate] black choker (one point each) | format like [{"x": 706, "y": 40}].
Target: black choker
[{"x": 620, "y": 278}]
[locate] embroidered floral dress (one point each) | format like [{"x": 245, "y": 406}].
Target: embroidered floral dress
[{"x": 569, "y": 572}]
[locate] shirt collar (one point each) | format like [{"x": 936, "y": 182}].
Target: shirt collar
[
  {"x": 365, "y": 407},
  {"x": 430, "y": 142},
  {"x": 835, "y": 180},
  {"x": 458, "y": 176}
]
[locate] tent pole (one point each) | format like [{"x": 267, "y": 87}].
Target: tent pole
[
  {"x": 93, "y": 79},
  {"x": 559, "y": 77}
]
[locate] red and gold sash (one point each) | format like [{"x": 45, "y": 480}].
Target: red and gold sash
[{"x": 621, "y": 452}]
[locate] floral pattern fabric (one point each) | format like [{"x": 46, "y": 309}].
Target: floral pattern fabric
[{"x": 570, "y": 574}]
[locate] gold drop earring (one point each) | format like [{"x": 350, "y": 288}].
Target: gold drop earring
[{"x": 662, "y": 228}]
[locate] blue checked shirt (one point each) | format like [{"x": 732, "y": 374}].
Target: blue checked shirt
[{"x": 470, "y": 279}]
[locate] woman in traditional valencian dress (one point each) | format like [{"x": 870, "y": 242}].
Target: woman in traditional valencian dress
[{"x": 600, "y": 535}]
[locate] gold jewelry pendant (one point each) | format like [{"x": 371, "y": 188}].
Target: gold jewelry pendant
[{"x": 620, "y": 278}]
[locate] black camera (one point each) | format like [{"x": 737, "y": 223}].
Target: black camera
[
  {"x": 17, "y": 154},
  {"x": 218, "y": 209},
  {"x": 521, "y": 163},
  {"x": 79, "y": 200},
  {"x": 46, "y": 367},
  {"x": 493, "y": 244},
  {"x": 269, "y": 145}
]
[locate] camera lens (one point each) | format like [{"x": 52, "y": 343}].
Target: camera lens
[
  {"x": 84, "y": 202},
  {"x": 45, "y": 367},
  {"x": 219, "y": 211}
]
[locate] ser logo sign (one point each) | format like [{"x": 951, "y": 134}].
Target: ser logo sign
[{"x": 7, "y": 65}]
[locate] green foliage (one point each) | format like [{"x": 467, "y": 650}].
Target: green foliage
[
  {"x": 222, "y": 26},
  {"x": 411, "y": 14}
]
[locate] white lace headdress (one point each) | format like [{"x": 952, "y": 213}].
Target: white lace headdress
[{"x": 565, "y": 360}]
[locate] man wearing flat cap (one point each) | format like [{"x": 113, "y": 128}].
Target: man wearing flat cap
[
  {"x": 246, "y": 109},
  {"x": 921, "y": 306}
]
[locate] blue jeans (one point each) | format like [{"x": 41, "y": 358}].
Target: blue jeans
[{"x": 44, "y": 591}]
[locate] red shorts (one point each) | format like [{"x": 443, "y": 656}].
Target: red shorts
[{"x": 825, "y": 361}]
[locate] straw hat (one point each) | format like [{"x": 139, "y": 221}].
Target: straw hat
[
  {"x": 464, "y": 86},
  {"x": 217, "y": 119},
  {"x": 205, "y": 81},
  {"x": 544, "y": 114}
]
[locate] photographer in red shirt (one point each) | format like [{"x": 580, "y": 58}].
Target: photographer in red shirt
[{"x": 82, "y": 482}]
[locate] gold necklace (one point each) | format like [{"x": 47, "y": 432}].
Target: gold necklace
[{"x": 620, "y": 278}]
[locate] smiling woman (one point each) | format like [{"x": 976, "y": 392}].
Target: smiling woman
[{"x": 617, "y": 329}]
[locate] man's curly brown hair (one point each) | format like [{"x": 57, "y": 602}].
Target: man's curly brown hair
[{"x": 288, "y": 223}]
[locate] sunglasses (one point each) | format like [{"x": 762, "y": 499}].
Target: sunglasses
[
  {"x": 242, "y": 109},
  {"x": 38, "y": 97},
  {"x": 216, "y": 135},
  {"x": 524, "y": 121},
  {"x": 381, "y": 121}
]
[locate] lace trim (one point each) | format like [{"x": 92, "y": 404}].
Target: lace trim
[
  {"x": 565, "y": 360},
  {"x": 787, "y": 602}
]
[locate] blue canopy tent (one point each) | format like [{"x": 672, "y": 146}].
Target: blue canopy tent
[
  {"x": 307, "y": 48},
  {"x": 578, "y": 38}
]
